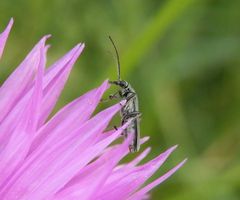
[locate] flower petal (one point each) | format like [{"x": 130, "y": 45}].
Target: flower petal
[
  {"x": 9, "y": 123},
  {"x": 90, "y": 180},
  {"x": 16, "y": 147},
  {"x": 20, "y": 80},
  {"x": 50, "y": 80},
  {"x": 54, "y": 88},
  {"x": 142, "y": 192},
  {"x": 69, "y": 118},
  {"x": 124, "y": 182},
  {"x": 58, "y": 66},
  {"x": 4, "y": 36},
  {"x": 45, "y": 175},
  {"x": 140, "y": 157}
]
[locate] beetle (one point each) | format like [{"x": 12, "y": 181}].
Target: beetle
[{"x": 129, "y": 111}]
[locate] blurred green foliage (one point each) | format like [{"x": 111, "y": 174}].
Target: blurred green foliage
[{"x": 182, "y": 57}]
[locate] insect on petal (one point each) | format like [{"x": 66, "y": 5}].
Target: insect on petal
[{"x": 70, "y": 156}]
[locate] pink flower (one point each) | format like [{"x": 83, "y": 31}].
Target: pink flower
[{"x": 69, "y": 156}]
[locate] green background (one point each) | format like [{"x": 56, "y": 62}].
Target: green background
[{"x": 181, "y": 56}]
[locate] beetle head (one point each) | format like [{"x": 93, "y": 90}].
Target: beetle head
[{"x": 121, "y": 83}]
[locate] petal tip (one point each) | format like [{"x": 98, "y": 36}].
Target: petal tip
[
  {"x": 144, "y": 139},
  {"x": 171, "y": 149},
  {"x": 44, "y": 38},
  {"x": 174, "y": 147},
  {"x": 10, "y": 23},
  {"x": 9, "y": 26},
  {"x": 106, "y": 84},
  {"x": 184, "y": 161},
  {"x": 82, "y": 45}
]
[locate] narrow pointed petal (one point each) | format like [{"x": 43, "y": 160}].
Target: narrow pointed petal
[
  {"x": 55, "y": 87},
  {"x": 58, "y": 66},
  {"x": 90, "y": 180},
  {"x": 20, "y": 79},
  {"x": 9, "y": 123},
  {"x": 140, "y": 157},
  {"x": 129, "y": 139},
  {"x": 134, "y": 162},
  {"x": 69, "y": 118},
  {"x": 37, "y": 180},
  {"x": 105, "y": 134},
  {"x": 15, "y": 150},
  {"x": 4, "y": 36},
  {"x": 150, "y": 186},
  {"x": 107, "y": 155},
  {"x": 37, "y": 95},
  {"x": 120, "y": 185}
]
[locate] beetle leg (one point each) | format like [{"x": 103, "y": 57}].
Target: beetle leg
[
  {"x": 131, "y": 115},
  {"x": 132, "y": 94},
  {"x": 111, "y": 96},
  {"x": 114, "y": 96}
]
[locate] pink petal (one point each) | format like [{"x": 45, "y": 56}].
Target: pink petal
[
  {"x": 60, "y": 64},
  {"x": 120, "y": 185},
  {"x": 9, "y": 123},
  {"x": 140, "y": 157},
  {"x": 105, "y": 134},
  {"x": 90, "y": 180},
  {"x": 150, "y": 186},
  {"x": 50, "y": 81},
  {"x": 16, "y": 148},
  {"x": 4, "y": 36},
  {"x": 56, "y": 166},
  {"x": 68, "y": 118},
  {"x": 54, "y": 88},
  {"x": 20, "y": 80}
]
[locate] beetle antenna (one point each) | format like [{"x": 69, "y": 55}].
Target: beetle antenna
[{"x": 118, "y": 60}]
